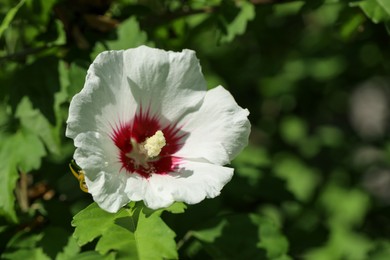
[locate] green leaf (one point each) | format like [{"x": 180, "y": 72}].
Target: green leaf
[
  {"x": 77, "y": 74},
  {"x": 8, "y": 177},
  {"x": 301, "y": 179},
  {"x": 90, "y": 255},
  {"x": 377, "y": 10},
  {"x": 56, "y": 239},
  {"x": 262, "y": 239},
  {"x": 343, "y": 244},
  {"x": 271, "y": 240},
  {"x": 69, "y": 251},
  {"x": 129, "y": 35},
  {"x": 233, "y": 20},
  {"x": 120, "y": 240},
  {"x": 21, "y": 151},
  {"x": 176, "y": 208},
  {"x": 92, "y": 222},
  {"x": 41, "y": 10},
  {"x": 9, "y": 17},
  {"x": 24, "y": 246},
  {"x": 53, "y": 243},
  {"x": 351, "y": 206},
  {"x": 253, "y": 156},
  {"x": 133, "y": 233},
  {"x": 40, "y": 85},
  {"x": 28, "y": 151}
]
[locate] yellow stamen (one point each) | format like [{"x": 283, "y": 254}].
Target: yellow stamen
[{"x": 153, "y": 145}]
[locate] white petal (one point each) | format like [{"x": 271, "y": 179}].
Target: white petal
[
  {"x": 218, "y": 131},
  {"x": 105, "y": 99},
  {"x": 96, "y": 155},
  {"x": 194, "y": 182},
  {"x": 169, "y": 82}
]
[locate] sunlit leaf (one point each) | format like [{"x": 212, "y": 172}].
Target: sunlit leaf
[
  {"x": 23, "y": 152},
  {"x": 377, "y": 10},
  {"x": 8, "y": 177},
  {"x": 234, "y": 19},
  {"x": 92, "y": 222},
  {"x": 91, "y": 255},
  {"x": 35, "y": 123},
  {"x": 131, "y": 232},
  {"x": 69, "y": 251},
  {"x": 129, "y": 35}
]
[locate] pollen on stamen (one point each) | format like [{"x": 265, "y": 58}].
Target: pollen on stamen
[{"x": 153, "y": 145}]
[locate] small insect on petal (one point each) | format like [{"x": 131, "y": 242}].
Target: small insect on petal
[{"x": 79, "y": 174}]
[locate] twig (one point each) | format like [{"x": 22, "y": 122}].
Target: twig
[{"x": 185, "y": 238}]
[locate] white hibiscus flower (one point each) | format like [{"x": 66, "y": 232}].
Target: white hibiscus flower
[{"x": 146, "y": 128}]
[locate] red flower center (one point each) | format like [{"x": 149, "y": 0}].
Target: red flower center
[{"x": 132, "y": 137}]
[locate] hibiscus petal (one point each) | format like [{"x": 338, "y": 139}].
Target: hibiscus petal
[
  {"x": 105, "y": 100},
  {"x": 96, "y": 155},
  {"x": 167, "y": 83},
  {"x": 218, "y": 131},
  {"x": 192, "y": 183}
]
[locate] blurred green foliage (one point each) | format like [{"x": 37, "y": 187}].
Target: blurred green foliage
[{"x": 313, "y": 182}]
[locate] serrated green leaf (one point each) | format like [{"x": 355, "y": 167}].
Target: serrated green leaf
[
  {"x": 92, "y": 222},
  {"x": 70, "y": 251},
  {"x": 120, "y": 240},
  {"x": 377, "y": 10},
  {"x": 28, "y": 151},
  {"x": 39, "y": 85},
  {"x": 155, "y": 240},
  {"x": 91, "y": 255},
  {"x": 231, "y": 27},
  {"x": 21, "y": 151},
  {"x": 129, "y": 35},
  {"x": 132, "y": 233},
  {"x": 210, "y": 234},
  {"x": 8, "y": 177}
]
